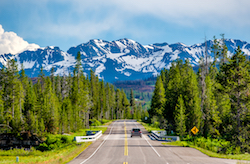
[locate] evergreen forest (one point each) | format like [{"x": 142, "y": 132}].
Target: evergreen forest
[
  {"x": 216, "y": 99},
  {"x": 59, "y": 104}
]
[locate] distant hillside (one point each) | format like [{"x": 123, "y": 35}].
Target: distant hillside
[{"x": 142, "y": 89}]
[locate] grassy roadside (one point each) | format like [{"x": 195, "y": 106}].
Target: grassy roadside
[
  {"x": 59, "y": 155},
  {"x": 149, "y": 127},
  {"x": 55, "y": 156},
  {"x": 210, "y": 153}
]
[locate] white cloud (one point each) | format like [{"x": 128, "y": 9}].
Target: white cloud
[
  {"x": 11, "y": 43},
  {"x": 178, "y": 11},
  {"x": 115, "y": 15},
  {"x": 142, "y": 20},
  {"x": 209, "y": 12}
]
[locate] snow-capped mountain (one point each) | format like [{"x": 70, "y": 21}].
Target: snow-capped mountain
[{"x": 123, "y": 59}]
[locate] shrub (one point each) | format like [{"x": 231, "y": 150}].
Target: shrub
[
  {"x": 43, "y": 147},
  {"x": 54, "y": 142},
  {"x": 214, "y": 145},
  {"x": 104, "y": 121},
  {"x": 229, "y": 150},
  {"x": 95, "y": 122},
  {"x": 237, "y": 150},
  {"x": 156, "y": 124},
  {"x": 66, "y": 139}
]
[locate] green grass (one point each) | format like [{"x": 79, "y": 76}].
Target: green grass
[
  {"x": 82, "y": 132},
  {"x": 106, "y": 122},
  {"x": 210, "y": 153},
  {"x": 149, "y": 127},
  {"x": 62, "y": 154}
]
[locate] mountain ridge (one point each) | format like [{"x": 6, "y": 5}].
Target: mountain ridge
[{"x": 123, "y": 59}]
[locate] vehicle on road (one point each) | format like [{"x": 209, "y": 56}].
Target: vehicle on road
[{"x": 136, "y": 132}]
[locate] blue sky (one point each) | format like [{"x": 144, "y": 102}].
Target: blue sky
[{"x": 67, "y": 23}]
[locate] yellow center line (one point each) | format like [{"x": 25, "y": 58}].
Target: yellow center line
[
  {"x": 126, "y": 141},
  {"x": 125, "y": 162}
]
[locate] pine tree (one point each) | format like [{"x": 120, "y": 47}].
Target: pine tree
[
  {"x": 224, "y": 49},
  {"x": 29, "y": 104},
  {"x": 11, "y": 90},
  {"x": 32, "y": 123},
  {"x": 132, "y": 102},
  {"x": 52, "y": 78},
  {"x": 93, "y": 93},
  {"x": 191, "y": 99},
  {"x": 112, "y": 102},
  {"x": 222, "y": 99},
  {"x": 58, "y": 88},
  {"x": 102, "y": 100},
  {"x": 158, "y": 99},
  {"x": 24, "y": 78},
  {"x": 108, "y": 101},
  {"x": 69, "y": 123},
  {"x": 42, "y": 78},
  {"x": 212, "y": 120},
  {"x": 126, "y": 104},
  {"x": 85, "y": 103},
  {"x": 2, "y": 119},
  {"x": 234, "y": 79},
  {"x": 180, "y": 117},
  {"x": 19, "y": 105},
  {"x": 75, "y": 98},
  {"x": 64, "y": 90},
  {"x": 139, "y": 111},
  {"x": 173, "y": 90},
  {"x": 118, "y": 100},
  {"x": 51, "y": 108}
]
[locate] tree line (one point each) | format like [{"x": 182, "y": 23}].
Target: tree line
[
  {"x": 59, "y": 104},
  {"x": 215, "y": 99}
]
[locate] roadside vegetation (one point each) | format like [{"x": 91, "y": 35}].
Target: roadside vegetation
[
  {"x": 150, "y": 127},
  {"x": 54, "y": 156},
  {"x": 56, "y": 148},
  {"x": 215, "y": 99},
  {"x": 211, "y": 148}
]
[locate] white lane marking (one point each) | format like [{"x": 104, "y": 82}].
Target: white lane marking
[
  {"x": 151, "y": 146},
  {"x": 99, "y": 146},
  {"x": 149, "y": 143}
]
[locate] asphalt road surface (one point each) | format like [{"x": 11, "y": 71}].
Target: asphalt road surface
[{"x": 117, "y": 147}]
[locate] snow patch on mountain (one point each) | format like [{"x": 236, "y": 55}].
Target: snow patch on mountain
[
  {"x": 114, "y": 56},
  {"x": 99, "y": 69}
]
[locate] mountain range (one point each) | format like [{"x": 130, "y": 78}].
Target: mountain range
[{"x": 118, "y": 60}]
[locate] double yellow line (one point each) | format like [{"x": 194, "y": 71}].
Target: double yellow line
[{"x": 126, "y": 141}]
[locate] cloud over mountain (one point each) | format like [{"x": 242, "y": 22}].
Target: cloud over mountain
[{"x": 10, "y": 42}]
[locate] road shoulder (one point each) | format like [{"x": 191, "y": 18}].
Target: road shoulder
[{"x": 91, "y": 148}]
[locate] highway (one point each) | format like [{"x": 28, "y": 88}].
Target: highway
[{"x": 117, "y": 147}]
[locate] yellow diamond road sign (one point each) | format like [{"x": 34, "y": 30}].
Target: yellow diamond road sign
[{"x": 194, "y": 130}]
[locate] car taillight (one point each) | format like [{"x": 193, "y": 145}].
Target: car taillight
[
  {"x": 140, "y": 131},
  {"x": 132, "y": 131}
]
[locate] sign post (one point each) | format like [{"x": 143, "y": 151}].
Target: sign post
[{"x": 194, "y": 130}]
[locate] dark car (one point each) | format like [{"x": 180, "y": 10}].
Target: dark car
[{"x": 136, "y": 132}]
